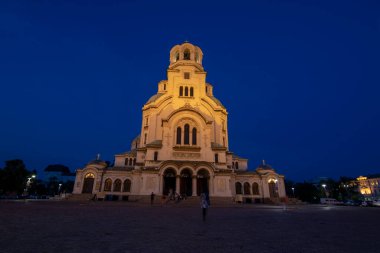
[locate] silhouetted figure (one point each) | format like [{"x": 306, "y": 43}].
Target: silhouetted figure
[
  {"x": 204, "y": 206},
  {"x": 151, "y": 198}
]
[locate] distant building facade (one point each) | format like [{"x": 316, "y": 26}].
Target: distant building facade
[
  {"x": 369, "y": 188},
  {"x": 59, "y": 173},
  {"x": 183, "y": 146}
]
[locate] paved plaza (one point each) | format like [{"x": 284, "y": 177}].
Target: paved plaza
[{"x": 64, "y": 226}]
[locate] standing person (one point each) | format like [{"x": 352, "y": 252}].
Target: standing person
[
  {"x": 204, "y": 206},
  {"x": 151, "y": 198}
]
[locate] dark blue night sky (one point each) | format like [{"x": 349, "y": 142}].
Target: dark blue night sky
[{"x": 300, "y": 79}]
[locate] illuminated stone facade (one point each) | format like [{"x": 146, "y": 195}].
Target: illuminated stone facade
[
  {"x": 183, "y": 145},
  {"x": 369, "y": 188}
]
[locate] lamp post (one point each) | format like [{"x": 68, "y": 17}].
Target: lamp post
[
  {"x": 324, "y": 189},
  {"x": 28, "y": 183},
  {"x": 293, "y": 192},
  {"x": 59, "y": 188}
]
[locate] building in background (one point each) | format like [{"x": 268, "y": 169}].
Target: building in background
[
  {"x": 369, "y": 188},
  {"x": 183, "y": 146}
]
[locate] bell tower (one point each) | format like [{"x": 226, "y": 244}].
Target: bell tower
[{"x": 186, "y": 54}]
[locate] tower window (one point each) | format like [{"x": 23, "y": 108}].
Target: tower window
[
  {"x": 216, "y": 158},
  {"x": 186, "y": 54},
  {"x": 165, "y": 86},
  {"x": 179, "y": 133},
  {"x": 155, "y": 156},
  {"x": 187, "y": 134},
  {"x": 186, "y": 91},
  {"x": 181, "y": 91},
  {"x": 186, "y": 75},
  {"x": 145, "y": 136},
  {"x": 206, "y": 89},
  {"x": 191, "y": 91},
  {"x": 194, "y": 136}
]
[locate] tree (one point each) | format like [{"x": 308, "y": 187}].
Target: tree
[
  {"x": 307, "y": 192},
  {"x": 13, "y": 177}
]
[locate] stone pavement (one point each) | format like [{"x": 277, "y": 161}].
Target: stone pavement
[{"x": 64, "y": 226}]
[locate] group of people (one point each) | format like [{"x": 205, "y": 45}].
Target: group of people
[{"x": 205, "y": 201}]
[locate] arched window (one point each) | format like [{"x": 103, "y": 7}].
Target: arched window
[
  {"x": 255, "y": 189},
  {"x": 237, "y": 165},
  {"x": 107, "y": 185},
  {"x": 179, "y": 133},
  {"x": 191, "y": 92},
  {"x": 186, "y": 138},
  {"x": 134, "y": 161},
  {"x": 126, "y": 162},
  {"x": 216, "y": 158},
  {"x": 238, "y": 187},
  {"x": 194, "y": 136},
  {"x": 186, "y": 91},
  {"x": 181, "y": 91},
  {"x": 155, "y": 155},
  {"x": 233, "y": 165},
  {"x": 247, "y": 189},
  {"x": 186, "y": 54},
  {"x": 117, "y": 185},
  {"x": 164, "y": 86},
  {"x": 130, "y": 161},
  {"x": 224, "y": 142},
  {"x": 127, "y": 185}
]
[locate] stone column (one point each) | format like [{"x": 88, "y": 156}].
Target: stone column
[
  {"x": 194, "y": 181},
  {"x": 177, "y": 180},
  {"x": 160, "y": 185}
]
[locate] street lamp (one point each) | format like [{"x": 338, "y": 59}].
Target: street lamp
[
  {"x": 293, "y": 192},
  {"x": 59, "y": 188},
  {"x": 324, "y": 189}
]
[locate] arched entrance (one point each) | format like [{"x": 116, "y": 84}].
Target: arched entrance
[
  {"x": 186, "y": 187},
  {"x": 273, "y": 188},
  {"x": 169, "y": 178},
  {"x": 203, "y": 178},
  {"x": 88, "y": 183}
]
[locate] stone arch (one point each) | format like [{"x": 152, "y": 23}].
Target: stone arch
[
  {"x": 88, "y": 182},
  {"x": 203, "y": 181},
  {"x": 186, "y": 54},
  {"x": 186, "y": 181},
  {"x": 127, "y": 185},
  {"x": 273, "y": 187},
  {"x": 169, "y": 175},
  {"x": 255, "y": 188},
  {"x": 247, "y": 188},
  {"x": 107, "y": 185},
  {"x": 117, "y": 185},
  {"x": 238, "y": 188}
]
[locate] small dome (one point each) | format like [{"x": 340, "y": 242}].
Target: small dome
[
  {"x": 264, "y": 166},
  {"x": 185, "y": 54}
]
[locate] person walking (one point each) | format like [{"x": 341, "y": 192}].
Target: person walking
[
  {"x": 204, "y": 206},
  {"x": 151, "y": 198}
]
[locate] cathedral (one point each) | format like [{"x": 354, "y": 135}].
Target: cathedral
[{"x": 183, "y": 146}]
